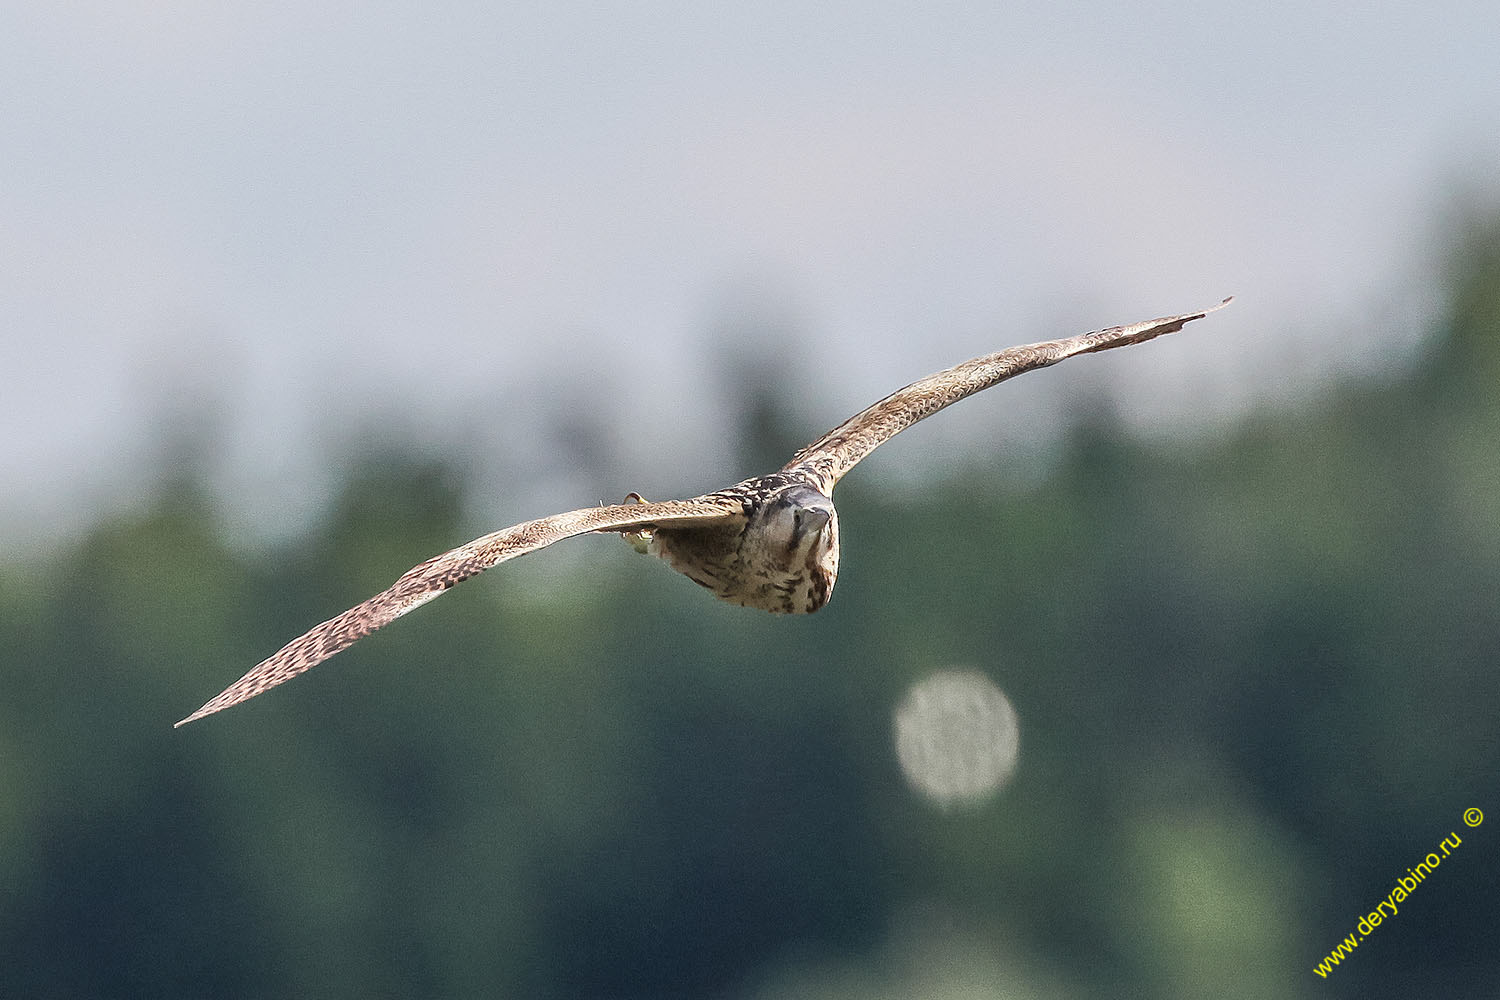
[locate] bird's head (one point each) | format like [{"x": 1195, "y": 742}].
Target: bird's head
[{"x": 799, "y": 519}]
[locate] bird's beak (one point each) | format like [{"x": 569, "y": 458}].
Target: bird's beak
[{"x": 813, "y": 519}]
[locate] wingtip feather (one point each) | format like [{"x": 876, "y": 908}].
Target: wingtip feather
[{"x": 192, "y": 718}]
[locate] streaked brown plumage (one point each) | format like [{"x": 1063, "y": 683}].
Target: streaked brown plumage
[{"x": 770, "y": 542}]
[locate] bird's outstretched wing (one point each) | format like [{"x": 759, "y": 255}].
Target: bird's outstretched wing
[
  {"x": 423, "y": 582},
  {"x": 827, "y": 459}
]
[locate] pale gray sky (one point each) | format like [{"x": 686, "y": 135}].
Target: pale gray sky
[{"x": 477, "y": 214}]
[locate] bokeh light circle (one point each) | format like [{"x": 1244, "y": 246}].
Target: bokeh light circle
[{"x": 957, "y": 738}]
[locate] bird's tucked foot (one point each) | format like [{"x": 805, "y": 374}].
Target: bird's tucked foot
[{"x": 639, "y": 540}]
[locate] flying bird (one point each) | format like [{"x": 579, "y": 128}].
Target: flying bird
[{"x": 770, "y": 542}]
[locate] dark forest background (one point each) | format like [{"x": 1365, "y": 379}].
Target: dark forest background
[{"x": 1255, "y": 675}]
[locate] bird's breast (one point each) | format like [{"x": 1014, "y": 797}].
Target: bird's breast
[{"x": 743, "y": 567}]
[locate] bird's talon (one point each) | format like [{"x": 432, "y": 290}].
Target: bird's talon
[{"x": 639, "y": 540}]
